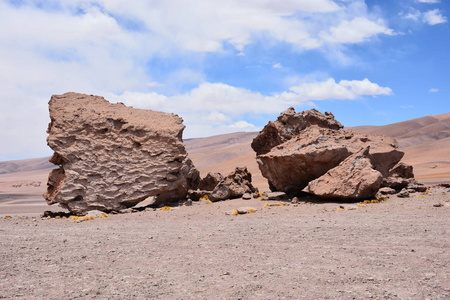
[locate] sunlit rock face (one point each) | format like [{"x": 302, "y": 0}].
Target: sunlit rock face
[
  {"x": 111, "y": 156},
  {"x": 299, "y": 148}
]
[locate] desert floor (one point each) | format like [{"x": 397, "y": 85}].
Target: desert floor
[{"x": 397, "y": 249}]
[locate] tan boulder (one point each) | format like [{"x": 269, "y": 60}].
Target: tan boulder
[
  {"x": 301, "y": 147},
  {"x": 288, "y": 125},
  {"x": 112, "y": 157},
  {"x": 235, "y": 185},
  {"x": 353, "y": 178}
]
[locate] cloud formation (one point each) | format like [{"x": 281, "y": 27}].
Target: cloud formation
[
  {"x": 431, "y": 17},
  {"x": 215, "y": 108},
  {"x": 118, "y": 48}
]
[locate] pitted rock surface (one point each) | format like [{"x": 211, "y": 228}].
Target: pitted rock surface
[
  {"x": 112, "y": 157},
  {"x": 292, "y": 157}
]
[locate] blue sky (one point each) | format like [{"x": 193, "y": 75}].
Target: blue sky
[{"x": 223, "y": 66}]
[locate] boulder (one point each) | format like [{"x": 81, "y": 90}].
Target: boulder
[
  {"x": 112, "y": 157},
  {"x": 289, "y": 124},
  {"x": 298, "y": 148},
  {"x": 235, "y": 185},
  {"x": 353, "y": 178},
  {"x": 210, "y": 181}
]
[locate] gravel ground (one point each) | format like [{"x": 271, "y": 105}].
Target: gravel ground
[{"x": 397, "y": 249}]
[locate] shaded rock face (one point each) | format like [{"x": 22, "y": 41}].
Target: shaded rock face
[
  {"x": 210, "y": 181},
  {"x": 112, "y": 157},
  {"x": 291, "y": 156},
  {"x": 217, "y": 187},
  {"x": 235, "y": 185}
]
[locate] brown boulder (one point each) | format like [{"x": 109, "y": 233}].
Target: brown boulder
[
  {"x": 353, "y": 178},
  {"x": 210, "y": 181},
  {"x": 112, "y": 157},
  {"x": 290, "y": 124},
  {"x": 317, "y": 145},
  {"x": 235, "y": 185}
]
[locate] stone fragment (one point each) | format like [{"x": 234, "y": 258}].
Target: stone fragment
[
  {"x": 386, "y": 191},
  {"x": 210, "y": 181},
  {"x": 235, "y": 185},
  {"x": 197, "y": 194},
  {"x": 353, "y": 178},
  {"x": 247, "y": 196},
  {"x": 403, "y": 194},
  {"x": 112, "y": 157},
  {"x": 276, "y": 195},
  {"x": 246, "y": 210},
  {"x": 418, "y": 187}
]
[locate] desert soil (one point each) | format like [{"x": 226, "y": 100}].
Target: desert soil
[{"x": 397, "y": 249}]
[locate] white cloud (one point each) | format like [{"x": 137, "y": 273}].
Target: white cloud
[
  {"x": 277, "y": 66},
  {"x": 428, "y": 1},
  {"x": 433, "y": 17},
  {"x": 433, "y": 90},
  {"x": 345, "y": 89},
  {"x": 355, "y": 31},
  {"x": 216, "y": 108},
  {"x": 107, "y": 48}
]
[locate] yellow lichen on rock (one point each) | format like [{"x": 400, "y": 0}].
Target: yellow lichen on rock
[
  {"x": 361, "y": 205},
  {"x": 209, "y": 202},
  {"x": 235, "y": 212},
  {"x": 204, "y": 197},
  {"x": 7, "y": 217},
  {"x": 251, "y": 211},
  {"x": 166, "y": 208}
]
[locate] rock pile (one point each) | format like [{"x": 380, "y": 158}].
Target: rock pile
[
  {"x": 312, "y": 150},
  {"x": 112, "y": 157},
  {"x": 217, "y": 187}
]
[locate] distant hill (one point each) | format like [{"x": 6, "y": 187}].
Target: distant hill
[
  {"x": 414, "y": 132},
  {"x": 14, "y": 166}
]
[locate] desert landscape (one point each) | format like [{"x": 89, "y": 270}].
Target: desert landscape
[{"x": 279, "y": 248}]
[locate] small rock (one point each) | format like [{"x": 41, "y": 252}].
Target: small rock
[
  {"x": 403, "y": 194},
  {"x": 247, "y": 196},
  {"x": 418, "y": 187},
  {"x": 295, "y": 200},
  {"x": 276, "y": 195},
  {"x": 246, "y": 209},
  {"x": 438, "y": 205},
  {"x": 125, "y": 211},
  {"x": 387, "y": 191},
  {"x": 95, "y": 213}
]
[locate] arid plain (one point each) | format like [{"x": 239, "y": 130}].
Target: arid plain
[{"x": 395, "y": 249}]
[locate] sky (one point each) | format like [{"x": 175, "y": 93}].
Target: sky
[{"x": 223, "y": 66}]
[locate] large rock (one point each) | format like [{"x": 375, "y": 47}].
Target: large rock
[
  {"x": 112, "y": 157},
  {"x": 292, "y": 157},
  {"x": 353, "y": 178},
  {"x": 290, "y": 124}
]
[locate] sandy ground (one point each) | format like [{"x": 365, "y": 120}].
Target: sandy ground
[{"x": 397, "y": 249}]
